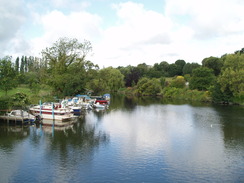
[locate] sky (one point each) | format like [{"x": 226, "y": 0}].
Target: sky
[{"x": 125, "y": 32}]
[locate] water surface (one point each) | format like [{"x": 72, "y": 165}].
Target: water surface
[{"x": 136, "y": 140}]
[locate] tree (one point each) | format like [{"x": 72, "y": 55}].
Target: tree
[
  {"x": 22, "y": 65},
  {"x": 220, "y": 96},
  {"x": 180, "y": 64},
  {"x": 7, "y": 75},
  {"x": 173, "y": 70},
  {"x": 148, "y": 86},
  {"x": 131, "y": 74},
  {"x": 17, "y": 64},
  {"x": 213, "y": 63},
  {"x": 232, "y": 75},
  {"x": 108, "y": 80},
  {"x": 142, "y": 69},
  {"x": 202, "y": 78},
  {"x": 189, "y": 67},
  {"x": 25, "y": 64},
  {"x": 159, "y": 70},
  {"x": 61, "y": 58},
  {"x": 178, "y": 82}
]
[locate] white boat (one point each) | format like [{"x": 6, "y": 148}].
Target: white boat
[
  {"x": 52, "y": 112},
  {"x": 99, "y": 106},
  {"x": 49, "y": 108},
  {"x": 19, "y": 116}
]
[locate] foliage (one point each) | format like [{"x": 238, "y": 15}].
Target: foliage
[
  {"x": 108, "y": 80},
  {"x": 133, "y": 74},
  {"x": 202, "y": 78},
  {"x": 64, "y": 58},
  {"x": 178, "y": 82},
  {"x": 187, "y": 77},
  {"x": 189, "y": 67},
  {"x": 162, "y": 82},
  {"x": 180, "y": 65},
  {"x": 20, "y": 99},
  {"x": 5, "y": 103},
  {"x": 173, "y": 70},
  {"x": 7, "y": 75},
  {"x": 148, "y": 86},
  {"x": 66, "y": 71},
  {"x": 186, "y": 94},
  {"x": 219, "y": 96},
  {"x": 213, "y": 63},
  {"x": 232, "y": 75}
]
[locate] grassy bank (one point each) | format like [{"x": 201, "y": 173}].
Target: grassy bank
[
  {"x": 24, "y": 96},
  {"x": 186, "y": 94},
  {"x": 175, "y": 93}
]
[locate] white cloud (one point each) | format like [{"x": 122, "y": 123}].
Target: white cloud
[
  {"x": 80, "y": 25},
  {"x": 12, "y": 18},
  {"x": 138, "y": 36},
  {"x": 208, "y": 28},
  {"x": 189, "y": 30},
  {"x": 209, "y": 18}
]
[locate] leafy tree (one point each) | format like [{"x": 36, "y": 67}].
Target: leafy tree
[
  {"x": 7, "y": 75},
  {"x": 232, "y": 74},
  {"x": 154, "y": 72},
  {"x": 165, "y": 68},
  {"x": 220, "y": 96},
  {"x": 25, "y": 64},
  {"x": 22, "y": 65},
  {"x": 131, "y": 74},
  {"x": 173, "y": 70},
  {"x": 142, "y": 69},
  {"x": 148, "y": 86},
  {"x": 108, "y": 80},
  {"x": 17, "y": 64},
  {"x": 189, "y": 67},
  {"x": 20, "y": 99},
  {"x": 158, "y": 70},
  {"x": 240, "y": 51},
  {"x": 213, "y": 63},
  {"x": 180, "y": 65},
  {"x": 162, "y": 81},
  {"x": 178, "y": 82},
  {"x": 202, "y": 78},
  {"x": 60, "y": 59}
]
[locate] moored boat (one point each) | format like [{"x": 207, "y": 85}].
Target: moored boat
[
  {"x": 48, "y": 108},
  {"x": 53, "y": 112},
  {"x": 99, "y": 106},
  {"x": 19, "y": 116},
  {"x": 101, "y": 101}
]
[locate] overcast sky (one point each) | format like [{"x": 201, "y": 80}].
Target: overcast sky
[{"x": 125, "y": 32}]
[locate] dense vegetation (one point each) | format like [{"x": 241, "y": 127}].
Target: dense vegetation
[{"x": 64, "y": 70}]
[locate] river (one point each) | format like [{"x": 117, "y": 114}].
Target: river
[{"x": 135, "y": 140}]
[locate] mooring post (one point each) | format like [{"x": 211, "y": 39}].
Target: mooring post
[
  {"x": 40, "y": 108},
  {"x": 53, "y": 114}
]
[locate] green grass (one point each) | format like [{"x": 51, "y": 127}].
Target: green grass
[
  {"x": 20, "y": 89},
  {"x": 34, "y": 96}
]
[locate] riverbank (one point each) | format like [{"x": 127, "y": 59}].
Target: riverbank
[{"x": 185, "y": 94}]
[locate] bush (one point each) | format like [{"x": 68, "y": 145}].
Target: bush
[
  {"x": 186, "y": 94},
  {"x": 178, "y": 82},
  {"x": 146, "y": 87}
]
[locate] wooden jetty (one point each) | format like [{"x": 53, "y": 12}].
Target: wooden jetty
[{"x": 17, "y": 117}]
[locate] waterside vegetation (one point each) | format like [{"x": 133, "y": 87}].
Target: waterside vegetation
[{"x": 64, "y": 70}]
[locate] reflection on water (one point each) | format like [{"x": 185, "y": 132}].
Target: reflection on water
[{"x": 135, "y": 140}]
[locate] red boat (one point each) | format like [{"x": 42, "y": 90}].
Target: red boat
[{"x": 101, "y": 101}]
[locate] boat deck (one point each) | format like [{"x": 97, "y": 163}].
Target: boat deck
[{"x": 15, "y": 119}]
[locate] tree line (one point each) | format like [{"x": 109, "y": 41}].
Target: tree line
[{"x": 64, "y": 68}]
